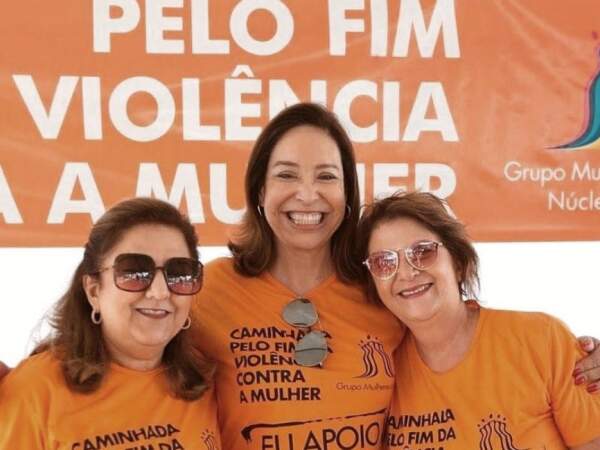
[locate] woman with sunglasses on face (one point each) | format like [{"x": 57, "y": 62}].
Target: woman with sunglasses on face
[
  {"x": 119, "y": 370},
  {"x": 467, "y": 376},
  {"x": 303, "y": 360}
]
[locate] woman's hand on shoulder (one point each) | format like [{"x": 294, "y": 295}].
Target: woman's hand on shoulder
[{"x": 587, "y": 370}]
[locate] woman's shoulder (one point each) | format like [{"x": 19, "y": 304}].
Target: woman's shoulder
[
  {"x": 525, "y": 323},
  {"x": 220, "y": 262},
  {"x": 219, "y": 267},
  {"x": 35, "y": 374},
  {"x": 218, "y": 273},
  {"x": 522, "y": 318},
  {"x": 221, "y": 277},
  {"x": 220, "y": 287},
  {"x": 41, "y": 363}
]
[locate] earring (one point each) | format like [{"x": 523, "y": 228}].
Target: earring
[
  {"x": 96, "y": 317},
  {"x": 348, "y": 211},
  {"x": 187, "y": 323},
  {"x": 260, "y": 213}
]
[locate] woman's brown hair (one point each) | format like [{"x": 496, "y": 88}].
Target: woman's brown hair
[
  {"x": 78, "y": 343},
  {"x": 432, "y": 213},
  {"x": 253, "y": 247}
]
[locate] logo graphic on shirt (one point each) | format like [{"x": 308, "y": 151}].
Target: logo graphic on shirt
[
  {"x": 208, "y": 437},
  {"x": 495, "y": 435},
  {"x": 591, "y": 124},
  {"x": 373, "y": 354}
]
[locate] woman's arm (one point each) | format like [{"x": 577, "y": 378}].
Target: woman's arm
[
  {"x": 20, "y": 416},
  {"x": 576, "y": 413}
]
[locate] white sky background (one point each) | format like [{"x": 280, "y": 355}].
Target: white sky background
[{"x": 560, "y": 278}]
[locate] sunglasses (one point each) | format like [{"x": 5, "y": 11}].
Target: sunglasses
[
  {"x": 135, "y": 272},
  {"x": 311, "y": 350},
  {"x": 420, "y": 255}
]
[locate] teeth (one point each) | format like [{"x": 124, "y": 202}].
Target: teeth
[
  {"x": 153, "y": 312},
  {"x": 312, "y": 218},
  {"x": 415, "y": 291}
]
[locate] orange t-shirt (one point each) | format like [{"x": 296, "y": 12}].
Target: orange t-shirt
[
  {"x": 265, "y": 400},
  {"x": 513, "y": 390},
  {"x": 130, "y": 410}
]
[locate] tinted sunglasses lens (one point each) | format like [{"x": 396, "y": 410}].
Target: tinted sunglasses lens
[
  {"x": 311, "y": 350},
  {"x": 422, "y": 254},
  {"x": 184, "y": 275},
  {"x": 300, "y": 312},
  {"x": 383, "y": 264},
  {"x": 133, "y": 272}
]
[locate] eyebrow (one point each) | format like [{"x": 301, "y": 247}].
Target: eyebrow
[{"x": 293, "y": 164}]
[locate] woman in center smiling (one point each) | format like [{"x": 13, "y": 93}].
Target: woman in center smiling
[{"x": 304, "y": 361}]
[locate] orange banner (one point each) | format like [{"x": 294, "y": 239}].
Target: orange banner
[{"x": 494, "y": 105}]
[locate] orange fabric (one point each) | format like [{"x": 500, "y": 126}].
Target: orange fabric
[
  {"x": 466, "y": 98},
  {"x": 130, "y": 410},
  {"x": 513, "y": 390},
  {"x": 265, "y": 400}
]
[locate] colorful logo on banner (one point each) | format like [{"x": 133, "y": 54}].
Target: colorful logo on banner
[{"x": 591, "y": 124}]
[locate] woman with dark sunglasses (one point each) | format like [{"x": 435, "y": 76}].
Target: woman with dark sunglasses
[
  {"x": 467, "y": 376},
  {"x": 119, "y": 370},
  {"x": 304, "y": 360}
]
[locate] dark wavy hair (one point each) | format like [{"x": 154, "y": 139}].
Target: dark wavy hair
[
  {"x": 253, "y": 246},
  {"x": 432, "y": 213},
  {"x": 78, "y": 343}
]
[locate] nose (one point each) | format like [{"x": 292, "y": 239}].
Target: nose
[
  {"x": 307, "y": 191},
  {"x": 405, "y": 270},
  {"x": 158, "y": 289}
]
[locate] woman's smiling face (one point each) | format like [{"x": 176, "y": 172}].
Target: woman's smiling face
[
  {"x": 414, "y": 295},
  {"x": 303, "y": 195},
  {"x": 140, "y": 323}
]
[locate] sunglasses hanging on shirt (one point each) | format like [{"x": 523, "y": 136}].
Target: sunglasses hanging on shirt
[{"x": 311, "y": 350}]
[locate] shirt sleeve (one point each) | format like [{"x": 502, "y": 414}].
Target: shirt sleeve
[
  {"x": 20, "y": 424},
  {"x": 576, "y": 412},
  {"x": 24, "y": 406}
]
